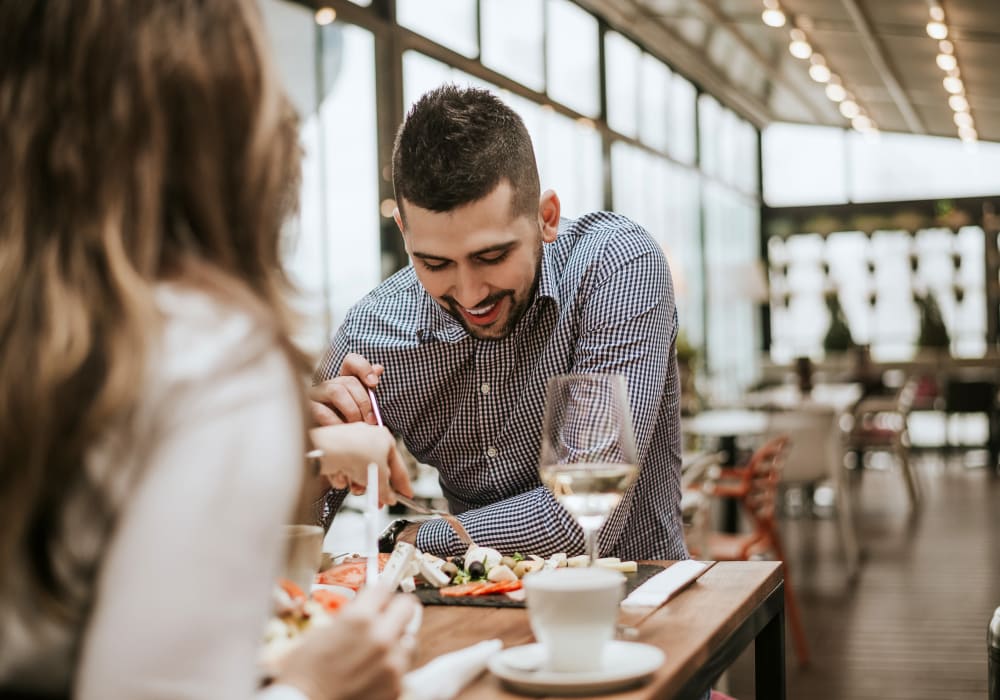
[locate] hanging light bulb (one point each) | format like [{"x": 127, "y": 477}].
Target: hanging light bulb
[
  {"x": 325, "y": 15},
  {"x": 772, "y": 15},
  {"x": 799, "y": 47},
  {"x": 967, "y": 133},
  {"x": 834, "y": 90},
  {"x": 937, "y": 30},
  {"x": 946, "y": 61},
  {"x": 953, "y": 84},
  {"x": 850, "y": 109},
  {"x": 818, "y": 69},
  {"x": 962, "y": 119},
  {"x": 937, "y": 13},
  {"x": 958, "y": 103},
  {"x": 945, "y": 46},
  {"x": 862, "y": 123}
]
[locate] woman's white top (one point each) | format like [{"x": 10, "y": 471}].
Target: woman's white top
[{"x": 200, "y": 481}]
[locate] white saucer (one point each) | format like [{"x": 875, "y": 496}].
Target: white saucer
[{"x": 624, "y": 664}]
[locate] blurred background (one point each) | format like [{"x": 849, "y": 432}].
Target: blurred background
[{"x": 822, "y": 176}]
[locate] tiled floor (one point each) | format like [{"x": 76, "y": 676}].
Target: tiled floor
[{"x": 913, "y": 625}]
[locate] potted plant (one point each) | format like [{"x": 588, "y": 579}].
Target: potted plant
[
  {"x": 838, "y": 335},
  {"x": 933, "y": 332}
]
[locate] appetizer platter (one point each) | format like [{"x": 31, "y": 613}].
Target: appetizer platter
[{"x": 482, "y": 576}]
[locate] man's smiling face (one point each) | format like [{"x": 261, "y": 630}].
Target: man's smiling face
[{"x": 480, "y": 261}]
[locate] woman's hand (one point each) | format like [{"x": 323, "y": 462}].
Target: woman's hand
[
  {"x": 347, "y": 451},
  {"x": 359, "y": 654}
]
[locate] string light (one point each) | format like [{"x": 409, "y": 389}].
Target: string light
[
  {"x": 937, "y": 28},
  {"x": 325, "y": 15},
  {"x": 834, "y": 90},
  {"x": 818, "y": 69},
  {"x": 799, "y": 47},
  {"x": 772, "y": 15},
  {"x": 958, "y": 103}
]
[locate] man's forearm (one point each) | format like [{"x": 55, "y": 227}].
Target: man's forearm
[{"x": 530, "y": 523}]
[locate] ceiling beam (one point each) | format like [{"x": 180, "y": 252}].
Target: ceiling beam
[{"x": 878, "y": 59}]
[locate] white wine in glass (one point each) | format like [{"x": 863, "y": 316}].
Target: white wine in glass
[{"x": 588, "y": 457}]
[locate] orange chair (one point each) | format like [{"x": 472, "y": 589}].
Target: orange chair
[{"x": 755, "y": 486}]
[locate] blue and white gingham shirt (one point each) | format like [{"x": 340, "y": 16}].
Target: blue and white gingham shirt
[{"x": 473, "y": 408}]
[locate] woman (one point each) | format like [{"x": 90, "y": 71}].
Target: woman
[{"x": 151, "y": 402}]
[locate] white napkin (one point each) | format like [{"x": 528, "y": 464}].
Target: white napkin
[
  {"x": 666, "y": 584},
  {"x": 445, "y": 676}
]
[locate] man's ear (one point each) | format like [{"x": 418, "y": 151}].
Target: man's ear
[{"x": 548, "y": 215}]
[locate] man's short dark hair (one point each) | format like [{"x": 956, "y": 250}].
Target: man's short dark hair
[{"x": 456, "y": 146}]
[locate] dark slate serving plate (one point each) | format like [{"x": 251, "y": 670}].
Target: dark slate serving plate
[{"x": 431, "y": 596}]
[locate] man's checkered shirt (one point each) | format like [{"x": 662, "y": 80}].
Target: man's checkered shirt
[{"x": 473, "y": 408}]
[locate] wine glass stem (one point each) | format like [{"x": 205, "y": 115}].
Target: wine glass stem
[{"x": 590, "y": 536}]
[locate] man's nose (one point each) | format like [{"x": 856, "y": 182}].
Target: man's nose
[{"x": 470, "y": 288}]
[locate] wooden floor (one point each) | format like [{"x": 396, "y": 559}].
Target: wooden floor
[{"x": 913, "y": 624}]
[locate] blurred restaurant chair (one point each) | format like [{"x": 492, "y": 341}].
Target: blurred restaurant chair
[
  {"x": 815, "y": 456},
  {"x": 755, "y": 486},
  {"x": 880, "y": 426},
  {"x": 966, "y": 394}
]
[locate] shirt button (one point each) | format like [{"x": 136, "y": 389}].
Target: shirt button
[
  {"x": 491, "y": 452},
  {"x": 484, "y": 387}
]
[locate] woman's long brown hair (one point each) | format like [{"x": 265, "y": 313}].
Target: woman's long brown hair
[{"x": 141, "y": 140}]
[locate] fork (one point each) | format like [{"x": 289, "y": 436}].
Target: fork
[
  {"x": 413, "y": 505},
  {"x": 456, "y": 525}
]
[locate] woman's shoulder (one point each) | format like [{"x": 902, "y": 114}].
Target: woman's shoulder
[{"x": 203, "y": 334}]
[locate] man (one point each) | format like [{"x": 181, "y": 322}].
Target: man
[{"x": 501, "y": 295}]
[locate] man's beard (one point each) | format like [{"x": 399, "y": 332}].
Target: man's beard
[{"x": 518, "y": 307}]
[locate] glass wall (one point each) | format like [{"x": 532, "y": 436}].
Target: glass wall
[
  {"x": 333, "y": 245},
  {"x": 633, "y": 148}
]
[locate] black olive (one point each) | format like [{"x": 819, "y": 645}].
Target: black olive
[
  {"x": 477, "y": 569},
  {"x": 458, "y": 562}
]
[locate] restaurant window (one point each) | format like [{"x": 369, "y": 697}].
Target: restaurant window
[
  {"x": 709, "y": 125},
  {"x": 683, "y": 144},
  {"x": 512, "y": 38},
  {"x": 571, "y": 57},
  {"x": 876, "y": 280},
  {"x": 663, "y": 198},
  {"x": 804, "y": 165},
  {"x": 622, "y": 79},
  {"x": 735, "y": 287},
  {"x": 654, "y": 116},
  {"x": 337, "y": 219},
  {"x": 451, "y": 23}
]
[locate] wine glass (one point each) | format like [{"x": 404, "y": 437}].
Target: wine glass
[{"x": 588, "y": 457}]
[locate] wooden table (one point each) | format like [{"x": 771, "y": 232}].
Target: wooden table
[{"x": 702, "y": 631}]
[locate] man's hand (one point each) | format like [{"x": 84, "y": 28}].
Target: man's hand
[{"x": 344, "y": 399}]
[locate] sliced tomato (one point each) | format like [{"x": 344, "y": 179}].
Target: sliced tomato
[
  {"x": 464, "y": 589},
  {"x": 349, "y": 573},
  {"x": 330, "y": 601},
  {"x": 498, "y": 587},
  {"x": 291, "y": 588}
]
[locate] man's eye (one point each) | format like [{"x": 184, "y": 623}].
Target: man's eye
[
  {"x": 493, "y": 258},
  {"x": 434, "y": 266}
]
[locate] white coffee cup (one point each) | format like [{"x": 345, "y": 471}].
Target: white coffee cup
[
  {"x": 573, "y": 613},
  {"x": 303, "y": 551}
]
